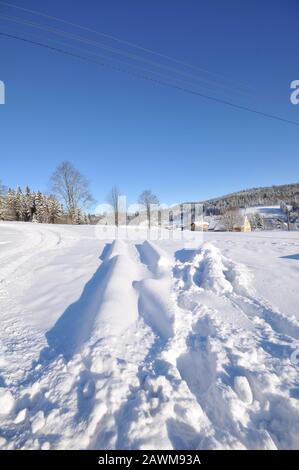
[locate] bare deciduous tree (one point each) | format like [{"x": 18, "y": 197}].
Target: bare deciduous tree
[
  {"x": 71, "y": 187},
  {"x": 232, "y": 218},
  {"x": 112, "y": 198},
  {"x": 257, "y": 221},
  {"x": 147, "y": 198}
]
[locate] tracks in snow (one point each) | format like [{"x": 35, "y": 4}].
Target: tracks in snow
[
  {"x": 237, "y": 354},
  {"x": 16, "y": 275},
  {"x": 159, "y": 353}
]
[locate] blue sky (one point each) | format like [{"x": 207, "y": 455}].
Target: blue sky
[{"x": 119, "y": 129}]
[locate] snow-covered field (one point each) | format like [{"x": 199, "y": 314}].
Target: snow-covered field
[{"x": 148, "y": 345}]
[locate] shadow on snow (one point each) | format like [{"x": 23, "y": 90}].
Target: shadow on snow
[{"x": 75, "y": 325}]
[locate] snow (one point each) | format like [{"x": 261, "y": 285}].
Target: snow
[
  {"x": 265, "y": 211},
  {"x": 242, "y": 389},
  {"x": 6, "y": 401},
  {"x": 148, "y": 344},
  {"x": 21, "y": 416},
  {"x": 45, "y": 446},
  {"x": 38, "y": 422}
]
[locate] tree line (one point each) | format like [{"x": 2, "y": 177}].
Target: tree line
[
  {"x": 272, "y": 195},
  {"x": 68, "y": 198},
  {"x": 66, "y": 202}
]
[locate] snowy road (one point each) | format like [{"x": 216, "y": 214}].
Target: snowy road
[{"x": 148, "y": 345}]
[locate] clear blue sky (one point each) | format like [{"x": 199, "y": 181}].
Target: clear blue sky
[{"x": 119, "y": 129}]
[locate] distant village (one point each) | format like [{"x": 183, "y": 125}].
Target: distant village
[{"x": 277, "y": 217}]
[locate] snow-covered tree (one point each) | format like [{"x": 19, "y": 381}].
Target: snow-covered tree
[
  {"x": 29, "y": 202},
  {"x": 30, "y": 206},
  {"x": 54, "y": 210},
  {"x": 10, "y": 205},
  {"x": 79, "y": 217},
  {"x": 2, "y": 202},
  {"x": 20, "y": 205},
  {"x": 47, "y": 209},
  {"x": 40, "y": 210}
]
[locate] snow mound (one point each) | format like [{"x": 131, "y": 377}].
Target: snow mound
[
  {"x": 21, "y": 416},
  {"x": 108, "y": 301},
  {"x": 38, "y": 422},
  {"x": 243, "y": 390},
  {"x": 7, "y": 401},
  {"x": 156, "y": 259},
  {"x": 117, "y": 247}
]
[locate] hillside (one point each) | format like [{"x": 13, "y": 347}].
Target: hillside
[{"x": 270, "y": 195}]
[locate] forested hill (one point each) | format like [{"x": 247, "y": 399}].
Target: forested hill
[{"x": 271, "y": 195}]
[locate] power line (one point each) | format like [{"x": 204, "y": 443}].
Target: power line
[
  {"x": 154, "y": 80},
  {"x": 114, "y": 38},
  {"x": 113, "y": 50},
  {"x": 133, "y": 66}
]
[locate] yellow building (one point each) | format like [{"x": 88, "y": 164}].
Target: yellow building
[
  {"x": 200, "y": 226},
  {"x": 243, "y": 226}
]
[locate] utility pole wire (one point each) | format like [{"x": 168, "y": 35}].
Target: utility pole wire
[
  {"x": 114, "y": 38},
  {"x": 122, "y": 62},
  {"x": 115, "y": 50},
  {"x": 154, "y": 80}
]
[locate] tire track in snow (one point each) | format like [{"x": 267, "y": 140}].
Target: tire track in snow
[
  {"x": 16, "y": 275},
  {"x": 36, "y": 241}
]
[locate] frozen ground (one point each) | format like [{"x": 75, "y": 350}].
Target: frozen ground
[{"x": 148, "y": 345}]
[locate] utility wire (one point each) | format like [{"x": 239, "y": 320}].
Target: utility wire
[
  {"x": 114, "y": 50},
  {"x": 97, "y": 55},
  {"x": 114, "y": 38},
  {"x": 154, "y": 80}
]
